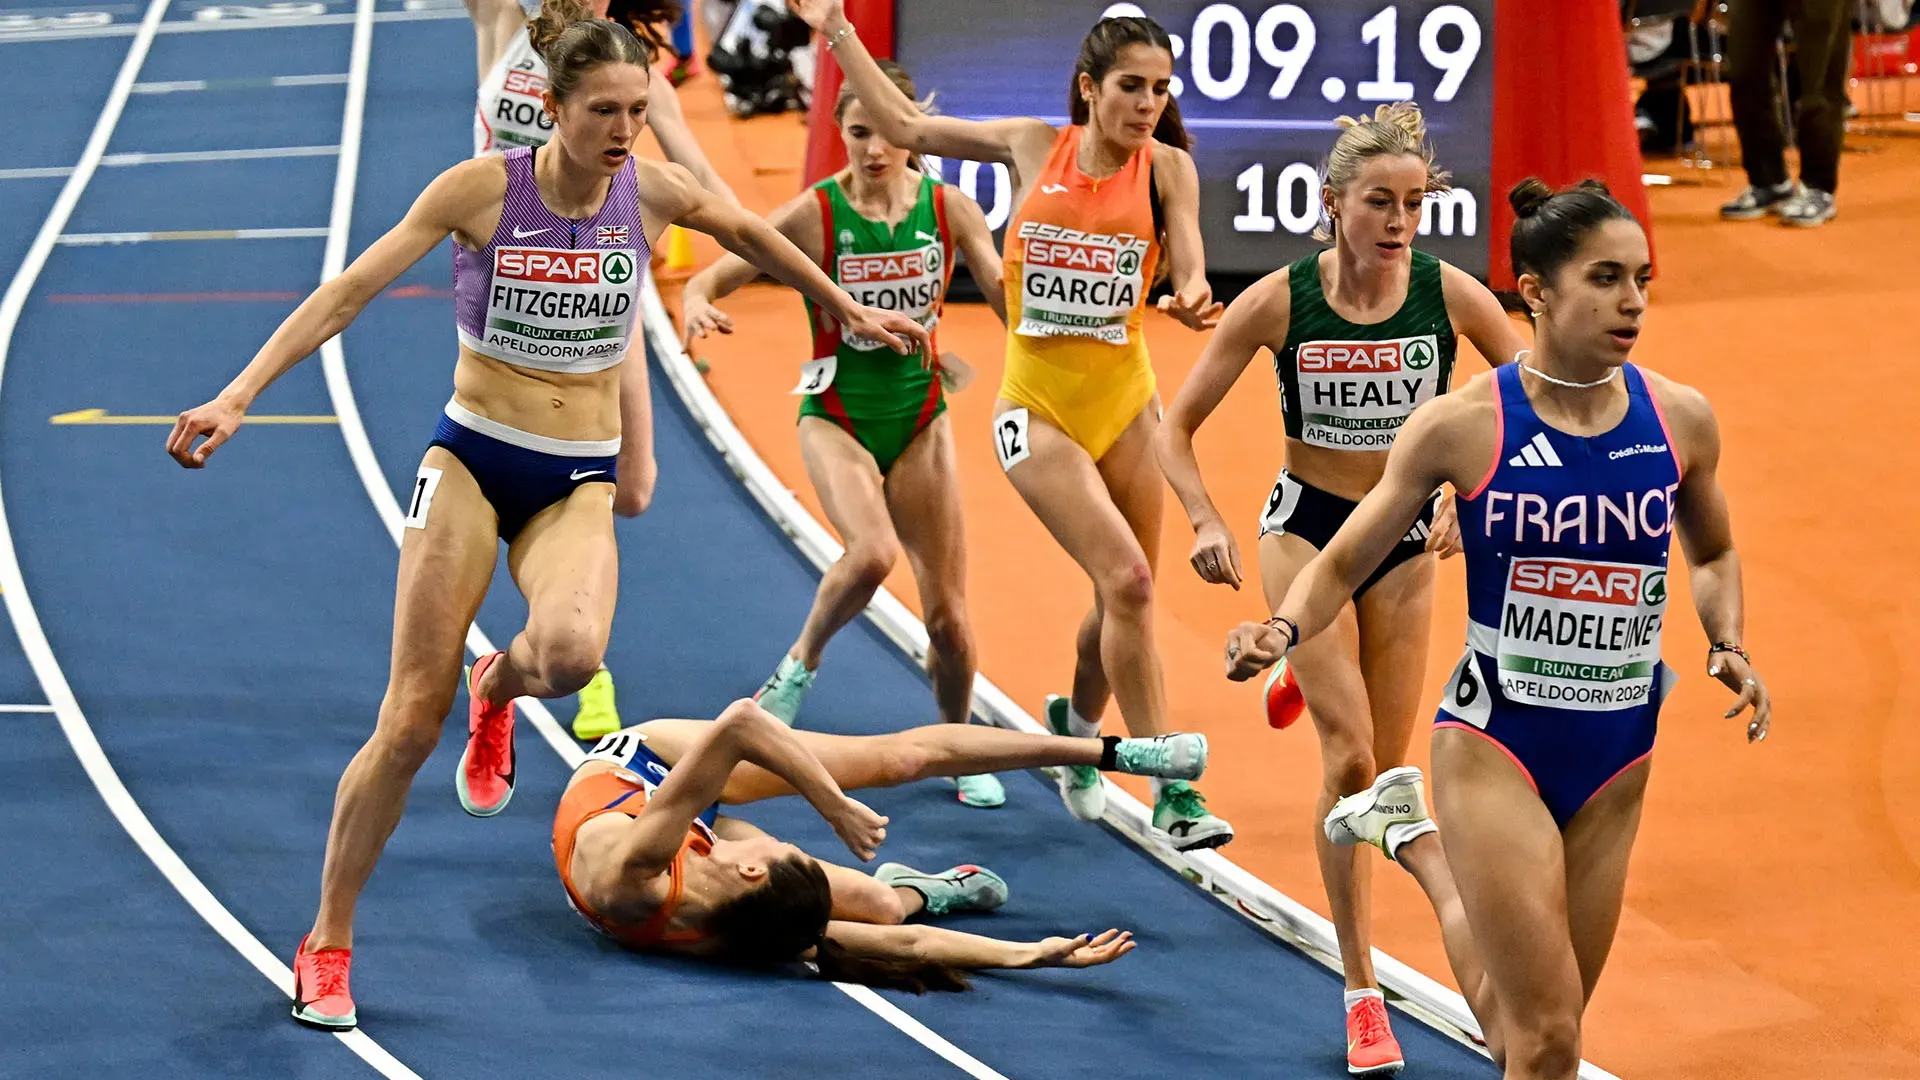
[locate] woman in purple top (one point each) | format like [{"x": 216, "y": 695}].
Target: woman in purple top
[{"x": 550, "y": 247}]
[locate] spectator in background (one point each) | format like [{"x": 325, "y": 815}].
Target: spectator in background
[{"x": 1822, "y": 54}]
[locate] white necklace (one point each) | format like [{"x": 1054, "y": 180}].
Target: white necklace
[{"x": 1521, "y": 359}]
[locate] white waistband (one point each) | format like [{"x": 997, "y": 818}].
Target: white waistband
[
  {"x": 526, "y": 440},
  {"x": 1483, "y": 638}
]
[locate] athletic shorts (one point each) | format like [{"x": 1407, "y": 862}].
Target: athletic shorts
[
  {"x": 1568, "y": 756},
  {"x": 884, "y": 402},
  {"x": 628, "y": 749},
  {"x": 1297, "y": 508},
  {"x": 520, "y": 473}
]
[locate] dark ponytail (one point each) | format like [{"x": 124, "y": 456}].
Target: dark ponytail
[
  {"x": 1550, "y": 225},
  {"x": 573, "y": 42},
  {"x": 1101, "y": 49},
  {"x": 642, "y": 17},
  {"x": 784, "y": 918}
]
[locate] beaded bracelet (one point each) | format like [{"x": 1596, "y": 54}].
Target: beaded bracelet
[
  {"x": 1728, "y": 646},
  {"x": 1292, "y": 628}
]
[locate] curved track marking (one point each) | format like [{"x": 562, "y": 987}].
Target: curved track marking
[{"x": 26, "y": 621}]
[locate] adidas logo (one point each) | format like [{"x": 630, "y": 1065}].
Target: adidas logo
[{"x": 1538, "y": 453}]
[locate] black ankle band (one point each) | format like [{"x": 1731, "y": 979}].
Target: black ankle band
[{"x": 1109, "y": 749}]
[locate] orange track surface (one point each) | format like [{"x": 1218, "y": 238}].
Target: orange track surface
[{"x": 1768, "y": 932}]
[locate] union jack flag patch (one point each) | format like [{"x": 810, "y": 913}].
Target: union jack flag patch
[{"x": 610, "y": 234}]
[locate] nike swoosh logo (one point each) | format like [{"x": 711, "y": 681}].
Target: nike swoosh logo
[
  {"x": 518, "y": 235},
  {"x": 578, "y": 475},
  {"x": 1053, "y": 189}
]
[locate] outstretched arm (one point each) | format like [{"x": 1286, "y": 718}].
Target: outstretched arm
[
  {"x": 744, "y": 732},
  {"x": 1192, "y": 300},
  {"x": 1257, "y": 318},
  {"x": 637, "y": 471},
  {"x": 900, "y": 122},
  {"x": 1705, "y": 529},
  {"x": 450, "y": 202},
  {"x": 669, "y": 196},
  {"x": 972, "y": 952},
  {"x": 798, "y": 220},
  {"x": 494, "y": 24}
]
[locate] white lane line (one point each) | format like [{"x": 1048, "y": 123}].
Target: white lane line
[
  {"x": 26, "y": 708},
  {"x": 33, "y": 637},
  {"x": 186, "y": 86},
  {"x": 360, "y": 448},
  {"x": 176, "y": 157},
  {"x": 185, "y": 26},
  {"x": 251, "y": 153},
  {"x": 99, "y": 238}
]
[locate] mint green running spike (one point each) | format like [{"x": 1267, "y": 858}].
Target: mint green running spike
[
  {"x": 963, "y": 888},
  {"x": 1180, "y": 814},
  {"x": 1082, "y": 787},
  {"x": 1180, "y": 756},
  {"x": 982, "y": 792},
  {"x": 597, "y": 716},
  {"x": 783, "y": 691}
]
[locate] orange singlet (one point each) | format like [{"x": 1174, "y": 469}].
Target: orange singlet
[
  {"x": 621, "y": 791},
  {"x": 1080, "y": 257}
]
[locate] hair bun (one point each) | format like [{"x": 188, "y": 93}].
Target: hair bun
[{"x": 1528, "y": 196}]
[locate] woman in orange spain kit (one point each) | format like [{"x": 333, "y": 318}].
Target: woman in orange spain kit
[{"x": 1099, "y": 204}]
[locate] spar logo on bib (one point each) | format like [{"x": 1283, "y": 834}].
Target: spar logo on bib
[
  {"x": 1599, "y": 583},
  {"x": 553, "y": 267},
  {"x": 1354, "y": 395},
  {"x": 617, "y": 267}
]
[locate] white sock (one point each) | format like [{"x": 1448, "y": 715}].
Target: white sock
[
  {"x": 1401, "y": 833},
  {"x": 1080, "y": 727},
  {"x": 1355, "y": 997},
  {"x": 1159, "y": 785}
]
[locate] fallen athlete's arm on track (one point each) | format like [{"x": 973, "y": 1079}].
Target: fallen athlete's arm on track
[
  {"x": 1478, "y": 316},
  {"x": 676, "y": 140},
  {"x": 1437, "y": 445},
  {"x": 494, "y": 24},
  {"x": 1257, "y": 319},
  {"x": 1192, "y": 301},
  {"x": 637, "y": 469},
  {"x": 975, "y": 241},
  {"x": 1021, "y": 141},
  {"x": 454, "y": 201},
  {"x": 669, "y": 196},
  {"x": 744, "y": 732},
  {"x": 1705, "y": 530},
  {"x": 935, "y": 945},
  {"x": 798, "y": 219}
]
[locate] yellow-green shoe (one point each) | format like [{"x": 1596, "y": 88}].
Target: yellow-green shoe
[{"x": 597, "y": 717}]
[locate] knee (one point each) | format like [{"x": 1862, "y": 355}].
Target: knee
[
  {"x": 1548, "y": 1050},
  {"x": 1347, "y": 765},
  {"x": 906, "y": 756},
  {"x": 409, "y": 725},
  {"x": 870, "y": 563},
  {"x": 947, "y": 632},
  {"x": 1127, "y": 588},
  {"x": 566, "y": 660}
]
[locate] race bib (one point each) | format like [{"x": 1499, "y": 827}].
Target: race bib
[
  {"x": 1010, "y": 442},
  {"x": 816, "y": 376},
  {"x": 551, "y": 307},
  {"x": 1580, "y": 635},
  {"x": 1354, "y": 395},
  {"x": 1079, "y": 284},
  {"x": 516, "y": 116},
  {"x": 909, "y": 282}
]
